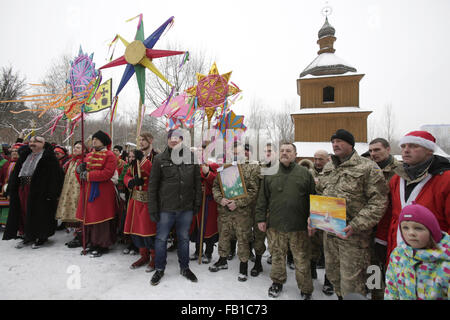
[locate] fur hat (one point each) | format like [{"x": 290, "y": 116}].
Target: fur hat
[{"x": 103, "y": 137}]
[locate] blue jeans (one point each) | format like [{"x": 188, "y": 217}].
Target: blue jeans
[{"x": 182, "y": 221}]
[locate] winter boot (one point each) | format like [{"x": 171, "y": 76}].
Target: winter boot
[
  {"x": 145, "y": 258},
  {"x": 188, "y": 274},
  {"x": 232, "y": 249},
  {"x": 151, "y": 265},
  {"x": 313, "y": 270},
  {"x": 275, "y": 290},
  {"x": 157, "y": 277},
  {"x": 306, "y": 296},
  {"x": 75, "y": 242},
  {"x": 221, "y": 264},
  {"x": 98, "y": 252},
  {"x": 243, "y": 271},
  {"x": 327, "y": 287},
  {"x": 38, "y": 243},
  {"x": 208, "y": 252},
  {"x": 257, "y": 268}
]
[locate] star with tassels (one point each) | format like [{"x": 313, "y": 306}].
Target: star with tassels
[
  {"x": 212, "y": 89},
  {"x": 139, "y": 55}
]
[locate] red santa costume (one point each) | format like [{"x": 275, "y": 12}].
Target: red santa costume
[
  {"x": 97, "y": 205},
  {"x": 431, "y": 189}
]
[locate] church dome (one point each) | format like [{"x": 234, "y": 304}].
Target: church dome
[{"x": 326, "y": 30}]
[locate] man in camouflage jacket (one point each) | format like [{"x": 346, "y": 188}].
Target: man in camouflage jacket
[
  {"x": 361, "y": 183},
  {"x": 235, "y": 218}
]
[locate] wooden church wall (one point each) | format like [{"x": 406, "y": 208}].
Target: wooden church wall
[
  {"x": 346, "y": 91},
  {"x": 320, "y": 127}
]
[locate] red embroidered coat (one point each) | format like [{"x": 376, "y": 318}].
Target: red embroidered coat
[
  {"x": 100, "y": 204},
  {"x": 210, "y": 220},
  {"x": 138, "y": 221}
]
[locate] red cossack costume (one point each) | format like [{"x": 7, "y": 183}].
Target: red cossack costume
[
  {"x": 98, "y": 190},
  {"x": 138, "y": 221},
  {"x": 210, "y": 215}
]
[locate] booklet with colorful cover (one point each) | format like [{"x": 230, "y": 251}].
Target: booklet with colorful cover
[{"x": 328, "y": 214}]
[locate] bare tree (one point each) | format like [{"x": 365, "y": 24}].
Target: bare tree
[
  {"x": 388, "y": 119},
  {"x": 157, "y": 91},
  {"x": 12, "y": 87},
  {"x": 280, "y": 125}
]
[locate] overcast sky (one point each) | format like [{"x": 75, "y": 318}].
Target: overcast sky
[{"x": 402, "y": 47}]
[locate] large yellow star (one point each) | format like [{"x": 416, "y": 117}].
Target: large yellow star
[{"x": 212, "y": 89}]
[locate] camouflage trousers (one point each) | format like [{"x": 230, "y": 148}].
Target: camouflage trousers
[
  {"x": 259, "y": 239},
  {"x": 346, "y": 263},
  {"x": 235, "y": 225},
  {"x": 316, "y": 245},
  {"x": 299, "y": 243}
]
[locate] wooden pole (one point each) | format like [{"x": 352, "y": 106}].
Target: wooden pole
[
  {"x": 138, "y": 132},
  {"x": 209, "y": 113},
  {"x": 83, "y": 183}
]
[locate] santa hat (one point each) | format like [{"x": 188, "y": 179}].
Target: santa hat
[{"x": 421, "y": 138}]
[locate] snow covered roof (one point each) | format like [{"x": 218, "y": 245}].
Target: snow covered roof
[
  {"x": 327, "y": 63},
  {"x": 307, "y": 149},
  {"x": 330, "y": 110},
  {"x": 347, "y": 74}
]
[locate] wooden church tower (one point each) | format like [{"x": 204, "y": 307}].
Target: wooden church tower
[{"x": 329, "y": 100}]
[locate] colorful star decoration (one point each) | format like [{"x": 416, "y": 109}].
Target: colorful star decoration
[
  {"x": 139, "y": 55},
  {"x": 212, "y": 89}
]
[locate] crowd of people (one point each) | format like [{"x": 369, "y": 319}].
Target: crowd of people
[{"x": 397, "y": 212}]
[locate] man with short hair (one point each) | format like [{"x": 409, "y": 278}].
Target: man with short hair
[
  {"x": 174, "y": 194},
  {"x": 321, "y": 158},
  {"x": 361, "y": 183},
  {"x": 424, "y": 178},
  {"x": 34, "y": 187},
  {"x": 380, "y": 152},
  {"x": 286, "y": 196},
  {"x": 146, "y": 145}
]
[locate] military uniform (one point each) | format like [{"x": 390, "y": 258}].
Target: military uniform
[
  {"x": 239, "y": 221},
  {"x": 317, "y": 238},
  {"x": 286, "y": 196},
  {"x": 377, "y": 255},
  {"x": 361, "y": 183},
  {"x": 258, "y": 238}
]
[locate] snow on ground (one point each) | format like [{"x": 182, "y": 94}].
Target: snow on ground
[{"x": 51, "y": 273}]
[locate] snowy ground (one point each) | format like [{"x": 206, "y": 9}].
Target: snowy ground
[{"x": 55, "y": 272}]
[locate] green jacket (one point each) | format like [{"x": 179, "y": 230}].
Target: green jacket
[{"x": 286, "y": 196}]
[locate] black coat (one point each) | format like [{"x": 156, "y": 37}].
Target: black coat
[
  {"x": 173, "y": 187},
  {"x": 45, "y": 188}
]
